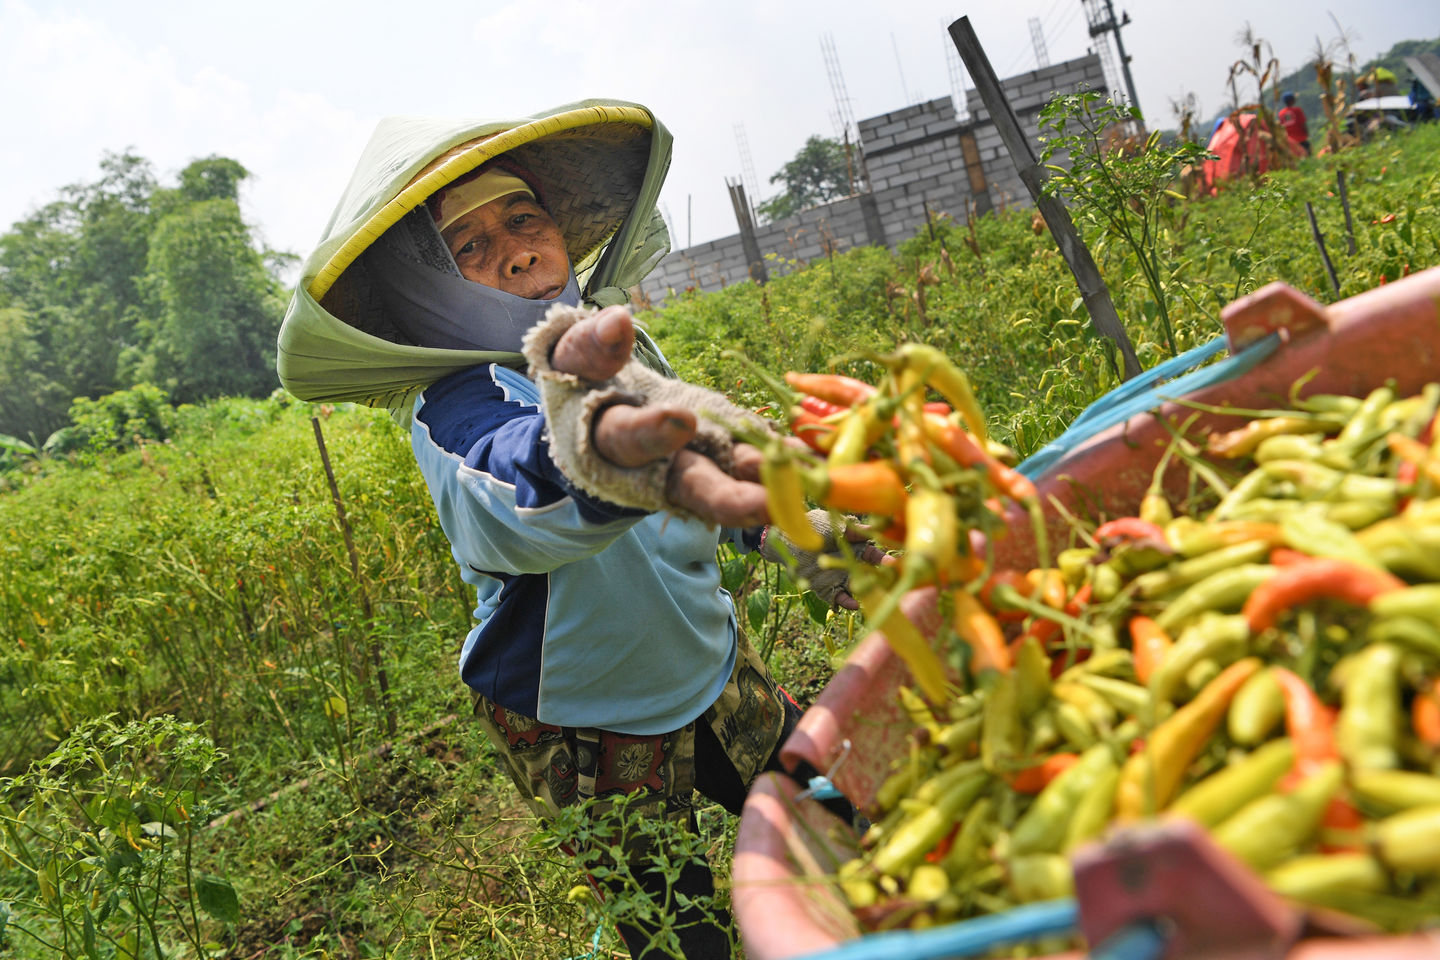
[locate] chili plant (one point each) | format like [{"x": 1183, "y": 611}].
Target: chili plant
[{"x": 1120, "y": 184}]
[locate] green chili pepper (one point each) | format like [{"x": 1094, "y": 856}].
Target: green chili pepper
[
  {"x": 1364, "y": 424},
  {"x": 1043, "y": 827},
  {"x": 1290, "y": 447},
  {"x": 1412, "y": 633},
  {"x": 1095, "y": 707},
  {"x": 1410, "y": 841},
  {"x": 1257, "y": 709},
  {"x": 1130, "y": 699},
  {"x": 1219, "y": 637},
  {"x": 919, "y": 834},
  {"x": 1328, "y": 873},
  {"x": 1253, "y": 484},
  {"x": 1032, "y": 676},
  {"x": 1316, "y": 482},
  {"x": 1041, "y": 876},
  {"x": 1223, "y": 793},
  {"x": 1093, "y": 812},
  {"x": 1075, "y": 726},
  {"x": 1418, "y": 601},
  {"x": 1267, "y": 831},
  {"x": 1320, "y": 536},
  {"x": 961, "y": 857},
  {"x": 1002, "y": 738},
  {"x": 1223, "y": 591},
  {"x": 1368, "y": 728},
  {"x": 1117, "y": 662},
  {"x": 1188, "y": 572},
  {"x": 1105, "y": 582},
  {"x": 1396, "y": 789}
]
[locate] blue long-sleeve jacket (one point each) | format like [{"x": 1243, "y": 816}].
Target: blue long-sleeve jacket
[{"x": 589, "y": 614}]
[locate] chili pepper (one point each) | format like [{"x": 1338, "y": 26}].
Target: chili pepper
[
  {"x": 1047, "y": 631},
  {"x": 1105, "y": 582},
  {"x": 1416, "y": 455},
  {"x": 1285, "y": 557},
  {"x": 1032, "y": 675},
  {"x": 1150, "y": 645},
  {"x": 957, "y": 738},
  {"x": 1368, "y": 727},
  {"x": 948, "y": 380},
  {"x": 1129, "y": 528},
  {"x": 1223, "y": 793},
  {"x": 1074, "y": 564},
  {"x": 978, "y": 629},
  {"x": 1042, "y": 828},
  {"x": 785, "y": 500},
  {"x": 1002, "y": 738},
  {"x": 932, "y": 535},
  {"x": 1337, "y": 403},
  {"x": 968, "y": 839},
  {"x": 855, "y": 434},
  {"x": 872, "y": 487},
  {"x": 1308, "y": 722},
  {"x": 821, "y": 408},
  {"x": 1345, "y": 874},
  {"x": 1032, "y": 779},
  {"x": 928, "y": 881},
  {"x": 1314, "y": 481},
  {"x": 1042, "y": 735},
  {"x": 1258, "y": 707},
  {"x": 1041, "y": 876},
  {"x": 1425, "y": 713},
  {"x": 1093, "y": 811},
  {"x": 1396, "y": 789},
  {"x": 1226, "y": 590},
  {"x": 833, "y": 387},
  {"x": 1130, "y": 699},
  {"x": 1292, "y": 447},
  {"x": 1077, "y": 729},
  {"x": 941, "y": 782},
  {"x": 959, "y": 446},
  {"x": 1095, "y": 707},
  {"x": 1411, "y": 633},
  {"x": 1011, "y": 578},
  {"x": 1219, "y": 637},
  {"x": 1243, "y": 441},
  {"x": 1323, "y": 537},
  {"x": 1410, "y": 841},
  {"x": 1267, "y": 831},
  {"x": 1422, "y": 600},
  {"x": 1191, "y": 537},
  {"x": 1117, "y": 662},
  {"x": 818, "y": 434},
  {"x": 1319, "y": 578},
  {"x": 1364, "y": 423},
  {"x": 919, "y": 834},
  {"x": 1253, "y": 484},
  {"x": 1404, "y": 547},
  {"x": 907, "y": 642},
  {"x": 1359, "y": 514},
  {"x": 909, "y": 437},
  {"x": 1185, "y": 573},
  {"x": 1150, "y": 778}
]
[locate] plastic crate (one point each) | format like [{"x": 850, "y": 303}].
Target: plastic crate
[{"x": 787, "y": 845}]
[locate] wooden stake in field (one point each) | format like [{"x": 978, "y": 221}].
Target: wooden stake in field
[{"x": 1077, "y": 256}]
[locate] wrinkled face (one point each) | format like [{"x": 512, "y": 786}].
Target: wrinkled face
[{"x": 511, "y": 244}]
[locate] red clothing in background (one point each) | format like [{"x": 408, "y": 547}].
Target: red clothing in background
[{"x": 1293, "y": 120}]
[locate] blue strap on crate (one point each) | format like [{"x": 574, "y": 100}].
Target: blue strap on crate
[{"x": 1149, "y": 390}]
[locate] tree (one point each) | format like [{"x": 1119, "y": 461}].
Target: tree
[{"x": 819, "y": 172}]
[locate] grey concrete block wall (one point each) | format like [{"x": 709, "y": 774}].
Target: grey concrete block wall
[{"x": 914, "y": 160}]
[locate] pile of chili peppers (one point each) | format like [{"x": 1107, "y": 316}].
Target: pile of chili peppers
[{"x": 1261, "y": 656}]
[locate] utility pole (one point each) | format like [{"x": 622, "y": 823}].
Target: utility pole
[
  {"x": 1108, "y": 24},
  {"x": 1037, "y": 39}
]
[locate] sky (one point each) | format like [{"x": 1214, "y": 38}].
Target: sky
[{"x": 293, "y": 89}]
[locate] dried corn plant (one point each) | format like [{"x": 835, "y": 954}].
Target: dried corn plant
[
  {"x": 1264, "y": 138},
  {"x": 1333, "y": 98}
]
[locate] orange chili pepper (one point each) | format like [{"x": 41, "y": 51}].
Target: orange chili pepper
[
  {"x": 834, "y": 387},
  {"x": 1009, "y": 578},
  {"x": 974, "y": 625},
  {"x": 1150, "y": 644},
  {"x": 813, "y": 429},
  {"x": 1313, "y": 579},
  {"x": 1033, "y": 779},
  {"x": 1425, "y": 713},
  {"x": 1309, "y": 724},
  {"x": 872, "y": 486},
  {"x": 1285, "y": 557},
  {"x": 1129, "y": 528},
  {"x": 1050, "y": 586},
  {"x": 1047, "y": 630},
  {"x": 961, "y": 447}
]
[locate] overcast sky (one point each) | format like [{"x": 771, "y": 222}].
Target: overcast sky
[{"x": 293, "y": 89}]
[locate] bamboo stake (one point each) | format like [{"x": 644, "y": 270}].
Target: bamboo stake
[
  {"x": 1320, "y": 242},
  {"x": 374, "y": 647},
  {"x": 1093, "y": 291}
]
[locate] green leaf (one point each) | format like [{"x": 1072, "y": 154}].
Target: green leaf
[
  {"x": 732, "y": 574},
  {"x": 757, "y": 605},
  {"x": 217, "y": 897},
  {"x": 818, "y": 609}
]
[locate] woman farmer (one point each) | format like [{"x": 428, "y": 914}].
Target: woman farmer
[{"x": 606, "y": 659}]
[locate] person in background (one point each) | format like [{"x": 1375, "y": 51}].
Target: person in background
[
  {"x": 1292, "y": 118},
  {"x": 1422, "y": 104},
  {"x": 606, "y": 659}
]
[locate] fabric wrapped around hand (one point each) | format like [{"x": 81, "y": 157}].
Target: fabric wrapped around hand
[
  {"x": 571, "y": 404},
  {"x": 827, "y": 583}
]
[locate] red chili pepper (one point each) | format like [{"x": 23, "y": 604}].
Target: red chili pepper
[
  {"x": 1342, "y": 817},
  {"x": 812, "y": 428},
  {"x": 1129, "y": 528},
  {"x": 1285, "y": 557},
  {"x": 1033, "y": 779},
  {"x": 965, "y": 450},
  {"x": 834, "y": 387},
  {"x": 1313, "y": 579},
  {"x": 1046, "y": 631},
  {"x": 1010, "y": 578},
  {"x": 821, "y": 408},
  {"x": 938, "y": 406},
  {"x": 1309, "y": 724}
]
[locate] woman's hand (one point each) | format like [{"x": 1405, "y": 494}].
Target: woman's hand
[{"x": 629, "y": 436}]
